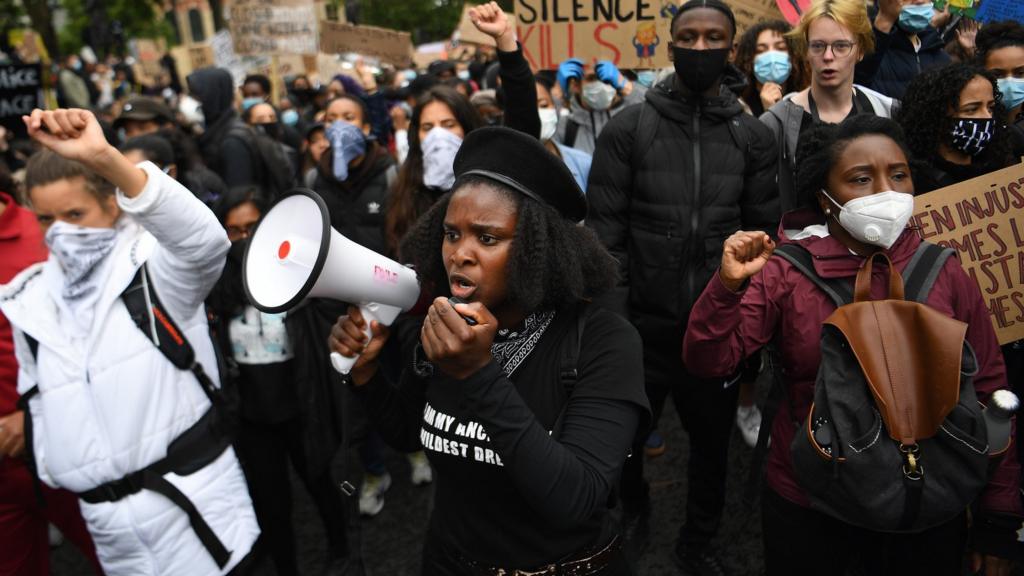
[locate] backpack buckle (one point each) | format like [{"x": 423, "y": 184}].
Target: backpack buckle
[{"x": 912, "y": 467}]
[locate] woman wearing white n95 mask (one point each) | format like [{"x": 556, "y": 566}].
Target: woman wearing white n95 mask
[
  {"x": 857, "y": 199},
  {"x": 112, "y": 418}
]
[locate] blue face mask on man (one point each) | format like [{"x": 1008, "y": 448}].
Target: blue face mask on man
[
  {"x": 772, "y": 66},
  {"x": 916, "y": 18},
  {"x": 250, "y": 102},
  {"x": 1012, "y": 90}
]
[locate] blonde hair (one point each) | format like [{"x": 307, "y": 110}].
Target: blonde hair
[{"x": 850, "y": 14}]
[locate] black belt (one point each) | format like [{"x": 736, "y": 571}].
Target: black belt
[{"x": 197, "y": 447}]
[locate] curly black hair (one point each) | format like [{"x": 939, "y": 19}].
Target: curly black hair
[
  {"x": 819, "y": 149},
  {"x": 996, "y": 35},
  {"x": 746, "y": 51},
  {"x": 924, "y": 114},
  {"x": 554, "y": 263}
]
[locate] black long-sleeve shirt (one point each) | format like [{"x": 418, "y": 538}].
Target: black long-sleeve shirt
[
  {"x": 509, "y": 494},
  {"x": 520, "y": 88}
]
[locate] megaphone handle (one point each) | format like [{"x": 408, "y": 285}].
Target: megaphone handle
[
  {"x": 343, "y": 364},
  {"x": 372, "y": 312}
]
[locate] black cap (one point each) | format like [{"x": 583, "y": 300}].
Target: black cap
[
  {"x": 143, "y": 109},
  {"x": 437, "y": 67},
  {"x": 522, "y": 163}
]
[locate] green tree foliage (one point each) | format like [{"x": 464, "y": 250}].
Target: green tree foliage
[{"x": 139, "y": 19}]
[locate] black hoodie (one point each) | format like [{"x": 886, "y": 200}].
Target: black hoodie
[
  {"x": 223, "y": 142},
  {"x": 671, "y": 180}
]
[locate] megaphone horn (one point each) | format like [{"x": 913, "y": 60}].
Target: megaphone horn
[{"x": 294, "y": 254}]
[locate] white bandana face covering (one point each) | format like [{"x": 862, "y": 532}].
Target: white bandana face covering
[
  {"x": 878, "y": 219},
  {"x": 439, "y": 149},
  {"x": 79, "y": 251}
]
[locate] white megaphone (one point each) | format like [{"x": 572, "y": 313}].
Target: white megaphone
[{"x": 294, "y": 254}]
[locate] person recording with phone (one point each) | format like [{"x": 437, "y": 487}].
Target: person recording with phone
[{"x": 528, "y": 412}]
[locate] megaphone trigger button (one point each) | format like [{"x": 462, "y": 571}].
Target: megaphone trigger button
[{"x": 284, "y": 249}]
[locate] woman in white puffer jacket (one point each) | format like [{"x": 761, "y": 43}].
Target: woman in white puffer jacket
[{"x": 108, "y": 402}]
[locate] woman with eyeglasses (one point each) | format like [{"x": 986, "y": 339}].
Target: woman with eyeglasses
[{"x": 833, "y": 35}]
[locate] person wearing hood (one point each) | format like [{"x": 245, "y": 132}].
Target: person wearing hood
[
  {"x": 671, "y": 179},
  {"x": 222, "y": 142},
  {"x": 594, "y": 98},
  {"x": 833, "y": 35},
  {"x": 906, "y": 44}
]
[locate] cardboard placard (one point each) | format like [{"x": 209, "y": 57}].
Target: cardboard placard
[
  {"x": 996, "y": 10},
  {"x": 201, "y": 56},
  {"x": 467, "y": 33},
  {"x": 386, "y": 45},
  {"x": 983, "y": 219},
  {"x": 21, "y": 90},
  {"x": 630, "y": 33},
  {"x": 262, "y": 27},
  {"x": 792, "y": 10}
]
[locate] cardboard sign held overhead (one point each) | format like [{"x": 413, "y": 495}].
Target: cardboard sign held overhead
[
  {"x": 630, "y": 33},
  {"x": 996, "y": 10},
  {"x": 983, "y": 219},
  {"x": 386, "y": 45},
  {"x": 263, "y": 27}
]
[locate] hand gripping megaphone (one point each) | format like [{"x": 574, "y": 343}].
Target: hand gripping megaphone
[{"x": 294, "y": 254}]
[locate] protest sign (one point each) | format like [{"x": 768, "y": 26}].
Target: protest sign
[
  {"x": 20, "y": 91},
  {"x": 147, "y": 54},
  {"x": 630, "y": 33},
  {"x": 983, "y": 219},
  {"x": 386, "y": 45},
  {"x": 274, "y": 27},
  {"x": 996, "y": 10}
]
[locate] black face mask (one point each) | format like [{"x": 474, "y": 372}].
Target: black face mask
[
  {"x": 272, "y": 129},
  {"x": 972, "y": 135},
  {"x": 698, "y": 70}
]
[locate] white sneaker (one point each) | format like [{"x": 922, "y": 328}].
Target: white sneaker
[
  {"x": 371, "y": 495},
  {"x": 421, "y": 472},
  {"x": 748, "y": 420}
]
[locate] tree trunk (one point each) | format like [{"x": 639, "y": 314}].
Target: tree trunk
[{"x": 42, "y": 22}]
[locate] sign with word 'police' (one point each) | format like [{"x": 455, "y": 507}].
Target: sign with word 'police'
[{"x": 20, "y": 91}]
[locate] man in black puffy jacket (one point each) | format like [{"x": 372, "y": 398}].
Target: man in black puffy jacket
[{"x": 672, "y": 178}]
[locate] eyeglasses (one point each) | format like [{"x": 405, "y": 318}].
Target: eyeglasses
[
  {"x": 239, "y": 232},
  {"x": 840, "y": 48}
]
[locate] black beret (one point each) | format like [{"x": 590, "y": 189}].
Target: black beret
[{"x": 519, "y": 161}]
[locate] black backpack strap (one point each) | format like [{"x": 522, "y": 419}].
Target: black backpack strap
[
  {"x": 741, "y": 136},
  {"x": 152, "y": 319},
  {"x": 839, "y": 291},
  {"x": 33, "y": 346},
  {"x": 646, "y": 129},
  {"x": 923, "y": 269},
  {"x": 22, "y": 404},
  {"x": 772, "y": 373},
  {"x": 572, "y": 130},
  {"x": 568, "y": 368}
]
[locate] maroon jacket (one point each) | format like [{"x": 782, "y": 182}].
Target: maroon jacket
[{"x": 725, "y": 327}]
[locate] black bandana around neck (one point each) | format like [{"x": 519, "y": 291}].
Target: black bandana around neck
[{"x": 511, "y": 348}]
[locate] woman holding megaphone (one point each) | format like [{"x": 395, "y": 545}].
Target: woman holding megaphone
[{"x": 525, "y": 397}]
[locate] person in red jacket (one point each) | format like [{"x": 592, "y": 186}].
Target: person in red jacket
[
  {"x": 24, "y": 545},
  {"x": 755, "y": 299}
]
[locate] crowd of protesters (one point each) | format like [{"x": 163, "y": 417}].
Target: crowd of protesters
[{"x": 613, "y": 237}]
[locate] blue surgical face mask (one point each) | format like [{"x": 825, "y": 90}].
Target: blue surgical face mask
[
  {"x": 1012, "y": 90},
  {"x": 290, "y": 117},
  {"x": 916, "y": 18},
  {"x": 250, "y": 102},
  {"x": 772, "y": 66},
  {"x": 646, "y": 78}
]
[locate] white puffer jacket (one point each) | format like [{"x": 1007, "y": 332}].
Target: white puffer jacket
[{"x": 110, "y": 403}]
